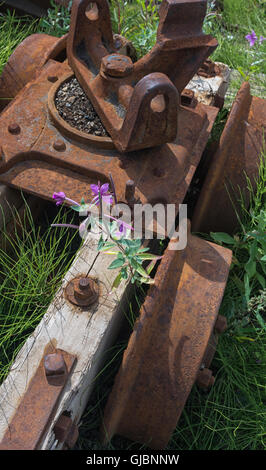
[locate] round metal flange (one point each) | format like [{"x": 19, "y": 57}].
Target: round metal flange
[
  {"x": 65, "y": 128},
  {"x": 81, "y": 293}
]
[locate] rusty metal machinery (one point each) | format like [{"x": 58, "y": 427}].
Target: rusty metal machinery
[
  {"x": 172, "y": 344},
  {"x": 157, "y": 132},
  {"x": 41, "y": 152}
]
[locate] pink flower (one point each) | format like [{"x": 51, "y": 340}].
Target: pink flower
[
  {"x": 101, "y": 192},
  {"x": 123, "y": 227},
  {"x": 251, "y": 38},
  {"x": 59, "y": 198}
]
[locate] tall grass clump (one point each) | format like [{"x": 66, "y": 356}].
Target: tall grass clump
[{"x": 32, "y": 264}]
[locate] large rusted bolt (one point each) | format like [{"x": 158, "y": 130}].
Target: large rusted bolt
[
  {"x": 205, "y": 379},
  {"x": 82, "y": 291},
  {"x": 187, "y": 97},
  {"x": 85, "y": 289},
  {"x": 54, "y": 365},
  {"x": 116, "y": 65},
  {"x": 220, "y": 325},
  {"x": 14, "y": 128},
  {"x": 130, "y": 191}
]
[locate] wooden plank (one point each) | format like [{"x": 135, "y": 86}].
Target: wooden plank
[
  {"x": 212, "y": 90},
  {"x": 85, "y": 333}
]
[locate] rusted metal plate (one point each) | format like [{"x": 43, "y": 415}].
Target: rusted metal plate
[
  {"x": 31, "y": 160},
  {"x": 138, "y": 102},
  {"x": 237, "y": 157},
  {"x": 169, "y": 342},
  {"x": 38, "y": 406},
  {"x": 26, "y": 62}
]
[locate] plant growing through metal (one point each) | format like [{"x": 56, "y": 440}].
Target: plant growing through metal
[{"x": 115, "y": 235}]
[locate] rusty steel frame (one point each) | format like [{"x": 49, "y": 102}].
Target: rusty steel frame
[
  {"x": 171, "y": 346},
  {"x": 138, "y": 102},
  {"x": 42, "y": 153},
  {"x": 39, "y": 403}
]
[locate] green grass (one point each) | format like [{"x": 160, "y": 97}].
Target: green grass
[
  {"x": 30, "y": 274},
  {"x": 13, "y": 30},
  {"x": 232, "y": 416}
]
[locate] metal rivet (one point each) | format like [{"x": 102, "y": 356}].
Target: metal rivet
[
  {"x": 59, "y": 145},
  {"x": 14, "y": 128},
  {"x": 52, "y": 78}
]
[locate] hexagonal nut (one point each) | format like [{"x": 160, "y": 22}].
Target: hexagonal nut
[
  {"x": 54, "y": 365},
  {"x": 116, "y": 65},
  {"x": 205, "y": 379}
]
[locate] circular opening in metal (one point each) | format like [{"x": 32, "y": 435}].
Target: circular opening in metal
[
  {"x": 92, "y": 11},
  {"x": 158, "y": 104}
]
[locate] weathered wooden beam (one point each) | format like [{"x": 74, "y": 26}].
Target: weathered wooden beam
[{"x": 82, "y": 332}]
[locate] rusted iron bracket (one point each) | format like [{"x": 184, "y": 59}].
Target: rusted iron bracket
[
  {"x": 38, "y": 406},
  {"x": 171, "y": 346},
  {"x": 237, "y": 157},
  {"x": 138, "y": 102},
  {"x": 42, "y": 153}
]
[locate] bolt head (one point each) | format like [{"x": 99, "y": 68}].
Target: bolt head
[
  {"x": 54, "y": 365},
  {"x": 14, "y": 128},
  {"x": 82, "y": 291},
  {"x": 59, "y": 145},
  {"x": 116, "y": 65}
]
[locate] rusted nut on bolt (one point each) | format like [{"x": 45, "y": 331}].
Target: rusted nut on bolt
[
  {"x": 205, "y": 379},
  {"x": 66, "y": 431},
  {"x": 116, "y": 65},
  {"x": 187, "y": 97},
  {"x": 55, "y": 369},
  {"x": 59, "y": 145},
  {"x": 82, "y": 291},
  {"x": 14, "y": 128},
  {"x": 220, "y": 325}
]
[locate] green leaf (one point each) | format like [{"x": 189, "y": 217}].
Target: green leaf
[
  {"x": 149, "y": 256},
  {"x": 124, "y": 272},
  {"x": 261, "y": 280},
  {"x": 250, "y": 268},
  {"x": 223, "y": 238},
  {"x": 117, "y": 263},
  {"x": 100, "y": 243},
  {"x": 261, "y": 321},
  {"x": 117, "y": 281},
  {"x": 107, "y": 246},
  {"x": 139, "y": 268}
]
